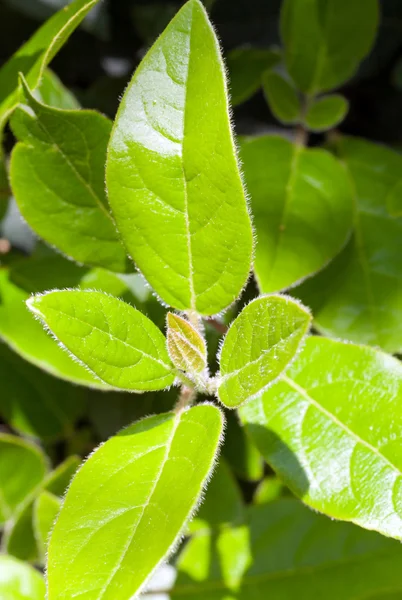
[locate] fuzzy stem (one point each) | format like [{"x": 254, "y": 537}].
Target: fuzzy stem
[
  {"x": 186, "y": 398},
  {"x": 220, "y": 327}
]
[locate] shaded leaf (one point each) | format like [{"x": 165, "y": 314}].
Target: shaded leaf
[
  {"x": 116, "y": 342},
  {"x": 52, "y": 92},
  {"x": 172, "y": 175},
  {"x": 340, "y": 34},
  {"x": 46, "y": 509},
  {"x": 22, "y": 469},
  {"x": 295, "y": 554},
  {"x": 57, "y": 177},
  {"x": 240, "y": 451},
  {"x": 147, "y": 478},
  {"x": 259, "y": 346},
  {"x": 303, "y": 208},
  {"x": 330, "y": 428},
  {"x": 59, "y": 479},
  {"x": 282, "y": 97},
  {"x": 246, "y": 66}
]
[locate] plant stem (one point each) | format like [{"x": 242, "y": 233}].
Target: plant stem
[
  {"x": 186, "y": 398},
  {"x": 220, "y": 327}
]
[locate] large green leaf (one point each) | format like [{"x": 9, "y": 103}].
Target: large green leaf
[
  {"x": 27, "y": 337},
  {"x": 302, "y": 204},
  {"x": 172, "y": 174},
  {"x": 359, "y": 296},
  {"x": 22, "y": 469},
  {"x": 246, "y": 66},
  {"x": 33, "y": 57},
  {"x": 330, "y": 427},
  {"x": 57, "y": 176},
  {"x": 325, "y": 40},
  {"x": 259, "y": 346},
  {"x": 35, "y": 403},
  {"x": 288, "y": 552},
  {"x": 19, "y": 581},
  {"x": 129, "y": 502},
  {"x": 116, "y": 342}
]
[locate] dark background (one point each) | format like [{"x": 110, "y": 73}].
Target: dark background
[{"x": 98, "y": 60}]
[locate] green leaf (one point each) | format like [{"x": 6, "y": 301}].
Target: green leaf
[
  {"x": 326, "y": 112},
  {"x": 240, "y": 451},
  {"x": 19, "y": 538},
  {"x": 186, "y": 347},
  {"x": 359, "y": 296},
  {"x": 33, "y": 57},
  {"x": 19, "y": 581},
  {"x": 34, "y": 403},
  {"x": 57, "y": 177},
  {"x": 58, "y": 480},
  {"x": 325, "y": 40},
  {"x": 259, "y": 346},
  {"x": 330, "y": 428},
  {"x": 146, "y": 479},
  {"x": 22, "y": 469},
  {"x": 4, "y": 187},
  {"x": 302, "y": 203},
  {"x": 269, "y": 489},
  {"x": 52, "y": 92},
  {"x": 246, "y": 66},
  {"x": 46, "y": 509},
  {"x": 27, "y": 337},
  {"x": 223, "y": 502},
  {"x": 172, "y": 174},
  {"x": 116, "y": 342},
  {"x": 282, "y": 97},
  {"x": 295, "y": 554}
]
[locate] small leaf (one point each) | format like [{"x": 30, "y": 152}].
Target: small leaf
[
  {"x": 259, "y": 346},
  {"x": 269, "y": 489},
  {"x": 22, "y": 469},
  {"x": 34, "y": 403},
  {"x": 340, "y": 34},
  {"x": 282, "y": 97},
  {"x": 358, "y": 297},
  {"x": 19, "y": 581},
  {"x": 52, "y": 92},
  {"x": 246, "y": 66},
  {"x": 302, "y": 203},
  {"x": 19, "y": 538},
  {"x": 146, "y": 479},
  {"x": 33, "y": 57},
  {"x": 27, "y": 337},
  {"x": 172, "y": 174},
  {"x": 46, "y": 509},
  {"x": 286, "y": 552},
  {"x": 115, "y": 341},
  {"x": 326, "y": 112},
  {"x": 330, "y": 428},
  {"x": 186, "y": 347},
  {"x": 57, "y": 177}
]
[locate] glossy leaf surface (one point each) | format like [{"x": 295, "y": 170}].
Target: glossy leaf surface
[
  {"x": 33, "y": 57},
  {"x": 302, "y": 203},
  {"x": 287, "y": 551},
  {"x": 172, "y": 174},
  {"x": 57, "y": 177},
  {"x": 19, "y": 581},
  {"x": 326, "y": 112},
  {"x": 246, "y": 65},
  {"x": 259, "y": 346},
  {"x": 330, "y": 429},
  {"x": 186, "y": 347},
  {"x": 339, "y": 33},
  {"x": 282, "y": 97},
  {"x": 22, "y": 469},
  {"x": 115, "y": 341},
  {"x": 35, "y": 403},
  {"x": 359, "y": 296},
  {"x": 129, "y": 502},
  {"x": 27, "y": 337}
]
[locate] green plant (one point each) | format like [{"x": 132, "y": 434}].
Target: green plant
[{"x": 324, "y": 414}]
